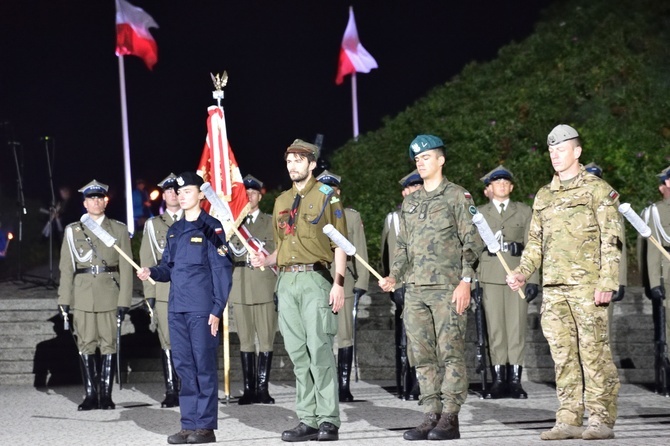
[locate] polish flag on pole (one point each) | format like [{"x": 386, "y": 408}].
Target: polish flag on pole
[
  {"x": 219, "y": 168},
  {"x": 353, "y": 57},
  {"x": 132, "y": 33}
]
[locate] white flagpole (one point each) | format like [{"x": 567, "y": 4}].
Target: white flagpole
[
  {"x": 354, "y": 104},
  {"x": 126, "y": 149}
]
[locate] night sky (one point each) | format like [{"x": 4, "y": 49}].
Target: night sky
[{"x": 59, "y": 78}]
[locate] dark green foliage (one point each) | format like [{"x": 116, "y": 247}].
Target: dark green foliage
[{"x": 601, "y": 66}]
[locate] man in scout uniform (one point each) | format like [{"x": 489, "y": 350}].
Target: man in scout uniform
[
  {"x": 506, "y": 313},
  {"x": 436, "y": 251},
  {"x": 252, "y": 297},
  {"x": 97, "y": 285},
  {"x": 355, "y": 285},
  {"x": 575, "y": 236},
  {"x": 309, "y": 297},
  {"x": 156, "y": 296},
  {"x": 406, "y": 382}
]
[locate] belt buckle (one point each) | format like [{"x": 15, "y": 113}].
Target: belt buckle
[
  {"x": 95, "y": 269},
  {"x": 301, "y": 268},
  {"x": 504, "y": 246}
]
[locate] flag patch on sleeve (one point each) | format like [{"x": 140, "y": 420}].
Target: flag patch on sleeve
[
  {"x": 613, "y": 194},
  {"x": 218, "y": 231},
  {"x": 467, "y": 195}
]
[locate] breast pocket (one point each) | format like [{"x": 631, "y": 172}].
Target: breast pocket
[
  {"x": 440, "y": 217},
  {"x": 579, "y": 216},
  {"x": 195, "y": 251},
  {"x": 308, "y": 230}
]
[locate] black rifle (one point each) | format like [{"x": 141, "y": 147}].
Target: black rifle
[{"x": 480, "y": 323}]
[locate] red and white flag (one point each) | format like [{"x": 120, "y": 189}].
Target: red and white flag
[
  {"x": 132, "y": 33},
  {"x": 219, "y": 167},
  {"x": 353, "y": 57}
]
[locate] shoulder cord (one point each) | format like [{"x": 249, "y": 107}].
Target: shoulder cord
[
  {"x": 658, "y": 226},
  {"x": 90, "y": 243}
]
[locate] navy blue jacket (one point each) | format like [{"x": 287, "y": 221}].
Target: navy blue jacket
[{"x": 197, "y": 263}]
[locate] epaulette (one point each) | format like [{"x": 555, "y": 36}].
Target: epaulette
[{"x": 325, "y": 189}]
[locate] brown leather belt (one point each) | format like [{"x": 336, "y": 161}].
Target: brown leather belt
[
  {"x": 303, "y": 268},
  {"x": 97, "y": 269}
]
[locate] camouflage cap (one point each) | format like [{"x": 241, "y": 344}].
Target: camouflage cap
[
  {"x": 189, "y": 178},
  {"x": 594, "y": 169},
  {"x": 496, "y": 174},
  {"x": 423, "y": 143},
  {"x": 251, "y": 182},
  {"x": 561, "y": 133},
  {"x": 94, "y": 189},
  {"x": 329, "y": 178},
  {"x": 169, "y": 182},
  {"x": 303, "y": 147},
  {"x": 411, "y": 179}
]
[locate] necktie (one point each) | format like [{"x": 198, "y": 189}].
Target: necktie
[
  {"x": 175, "y": 217},
  {"x": 249, "y": 219},
  {"x": 502, "y": 209}
]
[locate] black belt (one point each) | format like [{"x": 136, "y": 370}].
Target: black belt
[
  {"x": 303, "y": 268},
  {"x": 97, "y": 269},
  {"x": 239, "y": 263}
]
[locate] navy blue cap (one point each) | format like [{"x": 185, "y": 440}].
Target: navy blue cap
[
  {"x": 411, "y": 179},
  {"x": 253, "y": 183},
  {"x": 329, "y": 178},
  {"x": 189, "y": 179},
  {"x": 496, "y": 174},
  {"x": 594, "y": 169},
  {"x": 169, "y": 182},
  {"x": 664, "y": 175}
]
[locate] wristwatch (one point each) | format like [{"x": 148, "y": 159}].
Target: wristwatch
[{"x": 466, "y": 279}]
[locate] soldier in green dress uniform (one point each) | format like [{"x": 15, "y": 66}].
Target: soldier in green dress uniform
[
  {"x": 156, "y": 296},
  {"x": 97, "y": 285}
]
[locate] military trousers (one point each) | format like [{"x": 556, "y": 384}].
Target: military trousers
[
  {"x": 161, "y": 316},
  {"x": 506, "y": 322},
  {"x": 256, "y": 320},
  {"x": 436, "y": 347},
  {"x": 586, "y": 377},
  {"x": 308, "y": 326},
  {"x": 195, "y": 353},
  {"x": 345, "y": 323},
  {"x": 95, "y": 330}
]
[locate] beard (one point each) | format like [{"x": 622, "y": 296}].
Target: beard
[{"x": 297, "y": 177}]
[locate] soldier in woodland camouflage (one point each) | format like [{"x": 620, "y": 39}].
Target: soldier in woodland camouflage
[
  {"x": 435, "y": 254},
  {"x": 575, "y": 236}
]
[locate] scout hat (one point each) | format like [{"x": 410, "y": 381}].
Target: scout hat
[
  {"x": 189, "y": 179},
  {"x": 411, "y": 179},
  {"x": 561, "y": 133},
  {"x": 594, "y": 169},
  {"x": 252, "y": 183},
  {"x": 423, "y": 143},
  {"x": 304, "y": 148},
  {"x": 496, "y": 174},
  {"x": 169, "y": 182},
  {"x": 329, "y": 178},
  {"x": 94, "y": 189}
]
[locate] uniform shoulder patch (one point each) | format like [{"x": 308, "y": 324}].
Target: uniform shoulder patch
[
  {"x": 338, "y": 213},
  {"x": 467, "y": 195},
  {"x": 334, "y": 200},
  {"x": 325, "y": 189},
  {"x": 613, "y": 195}
]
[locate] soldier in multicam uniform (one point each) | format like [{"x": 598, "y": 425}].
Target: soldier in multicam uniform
[
  {"x": 575, "y": 236},
  {"x": 506, "y": 313},
  {"x": 355, "y": 285},
  {"x": 156, "y": 296},
  {"x": 407, "y": 384},
  {"x": 435, "y": 254}
]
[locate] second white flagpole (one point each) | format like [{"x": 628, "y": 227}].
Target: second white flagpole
[
  {"x": 126, "y": 149},
  {"x": 354, "y": 104}
]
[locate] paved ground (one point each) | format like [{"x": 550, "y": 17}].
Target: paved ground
[{"x": 32, "y": 417}]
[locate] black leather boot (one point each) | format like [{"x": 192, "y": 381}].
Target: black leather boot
[
  {"x": 264, "y": 367},
  {"x": 514, "y": 377},
  {"x": 345, "y": 357},
  {"x": 171, "y": 391},
  {"x": 249, "y": 378},
  {"x": 499, "y": 387},
  {"x": 89, "y": 374},
  {"x": 421, "y": 432},
  {"x": 106, "y": 382},
  {"x": 412, "y": 391},
  {"x": 446, "y": 429}
]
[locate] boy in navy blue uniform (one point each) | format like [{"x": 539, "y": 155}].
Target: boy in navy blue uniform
[{"x": 197, "y": 264}]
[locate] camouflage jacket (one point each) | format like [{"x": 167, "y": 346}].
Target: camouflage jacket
[
  {"x": 437, "y": 243},
  {"x": 575, "y": 234}
]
